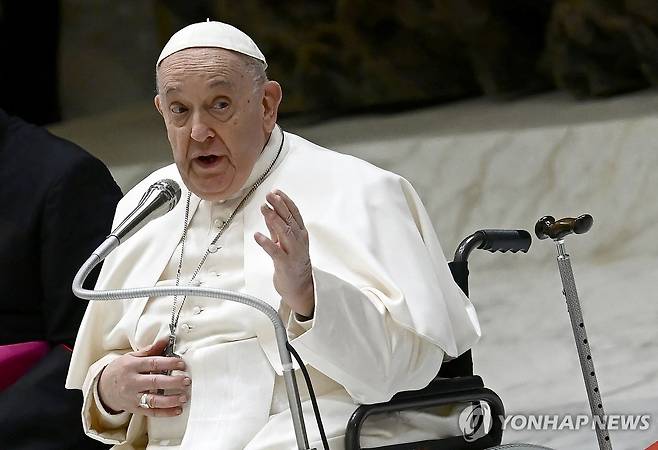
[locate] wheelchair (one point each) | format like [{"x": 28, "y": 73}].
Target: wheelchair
[{"x": 455, "y": 382}]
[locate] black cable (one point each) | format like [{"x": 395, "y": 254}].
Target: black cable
[{"x": 314, "y": 402}]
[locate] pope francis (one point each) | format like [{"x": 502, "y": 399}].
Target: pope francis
[{"x": 343, "y": 250}]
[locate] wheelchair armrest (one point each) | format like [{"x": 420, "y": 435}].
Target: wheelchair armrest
[
  {"x": 441, "y": 386},
  {"x": 493, "y": 241},
  {"x": 440, "y": 391}
]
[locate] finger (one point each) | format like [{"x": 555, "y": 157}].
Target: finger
[
  {"x": 159, "y": 412},
  {"x": 153, "y": 382},
  {"x": 281, "y": 209},
  {"x": 157, "y": 401},
  {"x": 169, "y": 412},
  {"x": 292, "y": 207},
  {"x": 270, "y": 247},
  {"x": 148, "y": 364},
  {"x": 285, "y": 233},
  {"x": 157, "y": 348},
  {"x": 269, "y": 214}
]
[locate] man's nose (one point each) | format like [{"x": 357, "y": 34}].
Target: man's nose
[{"x": 200, "y": 129}]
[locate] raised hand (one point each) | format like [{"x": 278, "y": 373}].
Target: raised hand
[
  {"x": 288, "y": 248},
  {"x": 137, "y": 376}
]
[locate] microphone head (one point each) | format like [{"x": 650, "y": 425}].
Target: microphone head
[
  {"x": 169, "y": 188},
  {"x": 159, "y": 199}
]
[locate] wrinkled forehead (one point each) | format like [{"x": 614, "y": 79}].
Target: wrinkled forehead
[{"x": 215, "y": 64}]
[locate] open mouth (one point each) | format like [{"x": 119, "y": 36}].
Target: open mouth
[{"x": 208, "y": 160}]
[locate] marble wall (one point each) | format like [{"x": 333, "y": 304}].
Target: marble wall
[
  {"x": 600, "y": 158},
  {"x": 478, "y": 165}
]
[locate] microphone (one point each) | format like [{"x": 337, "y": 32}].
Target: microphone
[{"x": 159, "y": 199}]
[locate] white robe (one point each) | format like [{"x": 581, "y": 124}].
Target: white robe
[{"x": 386, "y": 311}]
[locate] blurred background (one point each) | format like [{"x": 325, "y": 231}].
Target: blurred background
[
  {"x": 334, "y": 57},
  {"x": 498, "y": 112}
]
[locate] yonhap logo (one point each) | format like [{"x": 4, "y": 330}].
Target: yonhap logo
[{"x": 475, "y": 421}]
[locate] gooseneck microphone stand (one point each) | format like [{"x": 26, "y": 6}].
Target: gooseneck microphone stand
[
  {"x": 271, "y": 313},
  {"x": 161, "y": 197},
  {"x": 548, "y": 227}
]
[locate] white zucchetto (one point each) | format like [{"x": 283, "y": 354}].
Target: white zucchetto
[{"x": 211, "y": 34}]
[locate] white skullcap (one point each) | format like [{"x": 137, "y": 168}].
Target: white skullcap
[{"x": 211, "y": 34}]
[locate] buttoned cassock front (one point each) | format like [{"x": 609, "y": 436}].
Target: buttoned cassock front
[{"x": 387, "y": 309}]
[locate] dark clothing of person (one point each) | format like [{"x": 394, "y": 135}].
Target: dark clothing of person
[{"x": 56, "y": 205}]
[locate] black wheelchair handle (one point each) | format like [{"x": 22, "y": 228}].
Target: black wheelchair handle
[
  {"x": 548, "y": 227},
  {"x": 494, "y": 241}
]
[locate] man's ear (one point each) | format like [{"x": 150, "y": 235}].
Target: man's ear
[
  {"x": 272, "y": 95},
  {"x": 158, "y": 106}
]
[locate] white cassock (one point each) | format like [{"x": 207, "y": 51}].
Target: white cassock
[{"x": 386, "y": 309}]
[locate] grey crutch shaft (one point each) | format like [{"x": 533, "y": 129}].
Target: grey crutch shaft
[{"x": 582, "y": 345}]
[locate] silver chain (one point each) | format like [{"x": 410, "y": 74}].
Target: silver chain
[{"x": 175, "y": 315}]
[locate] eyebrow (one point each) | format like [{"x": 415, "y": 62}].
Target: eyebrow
[
  {"x": 212, "y": 84},
  {"x": 220, "y": 82},
  {"x": 170, "y": 87}
]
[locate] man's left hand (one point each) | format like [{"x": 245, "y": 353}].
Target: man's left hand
[{"x": 288, "y": 248}]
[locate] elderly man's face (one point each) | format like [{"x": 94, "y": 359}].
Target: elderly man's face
[{"x": 218, "y": 119}]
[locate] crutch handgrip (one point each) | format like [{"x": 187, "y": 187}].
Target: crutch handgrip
[{"x": 548, "y": 227}]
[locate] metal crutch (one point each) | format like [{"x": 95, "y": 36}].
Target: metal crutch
[{"x": 548, "y": 227}]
